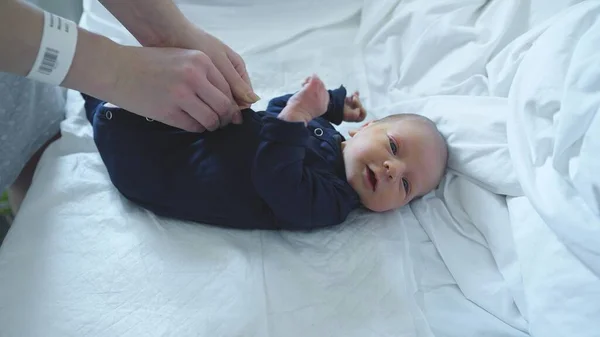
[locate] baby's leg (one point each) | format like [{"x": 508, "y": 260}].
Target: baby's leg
[
  {"x": 90, "y": 106},
  {"x": 140, "y": 154},
  {"x": 311, "y": 100}
]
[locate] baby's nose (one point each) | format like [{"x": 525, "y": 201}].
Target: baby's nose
[{"x": 392, "y": 169}]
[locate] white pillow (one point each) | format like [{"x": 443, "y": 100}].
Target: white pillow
[{"x": 475, "y": 130}]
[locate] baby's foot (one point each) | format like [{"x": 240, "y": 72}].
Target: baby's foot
[{"x": 310, "y": 102}]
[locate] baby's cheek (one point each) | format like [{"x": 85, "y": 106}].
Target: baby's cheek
[
  {"x": 395, "y": 199},
  {"x": 356, "y": 154},
  {"x": 364, "y": 149}
]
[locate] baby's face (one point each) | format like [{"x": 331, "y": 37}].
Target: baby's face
[{"x": 390, "y": 163}]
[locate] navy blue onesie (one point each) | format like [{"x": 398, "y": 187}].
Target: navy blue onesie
[{"x": 262, "y": 174}]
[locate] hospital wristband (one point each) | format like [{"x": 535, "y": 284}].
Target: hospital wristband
[{"x": 57, "y": 49}]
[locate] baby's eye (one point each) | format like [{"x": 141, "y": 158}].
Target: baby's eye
[
  {"x": 393, "y": 146},
  {"x": 406, "y": 185}
]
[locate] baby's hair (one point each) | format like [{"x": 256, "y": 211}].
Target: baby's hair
[{"x": 428, "y": 122}]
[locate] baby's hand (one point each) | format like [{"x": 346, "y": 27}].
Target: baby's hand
[
  {"x": 309, "y": 103},
  {"x": 353, "y": 109}
]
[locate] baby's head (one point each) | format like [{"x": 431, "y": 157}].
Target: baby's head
[{"x": 391, "y": 161}]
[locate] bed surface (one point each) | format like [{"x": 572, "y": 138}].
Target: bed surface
[{"x": 506, "y": 246}]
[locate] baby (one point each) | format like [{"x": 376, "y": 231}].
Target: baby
[{"x": 283, "y": 168}]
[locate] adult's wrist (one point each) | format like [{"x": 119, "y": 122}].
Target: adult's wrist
[
  {"x": 154, "y": 23},
  {"x": 185, "y": 36},
  {"x": 176, "y": 35},
  {"x": 95, "y": 67}
]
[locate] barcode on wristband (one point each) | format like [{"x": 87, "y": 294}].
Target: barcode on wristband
[
  {"x": 49, "y": 61},
  {"x": 57, "y": 50}
]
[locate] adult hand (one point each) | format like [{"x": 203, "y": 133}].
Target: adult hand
[
  {"x": 179, "y": 87},
  {"x": 228, "y": 62},
  {"x": 194, "y": 89},
  {"x": 190, "y": 83},
  {"x": 187, "y": 88}
]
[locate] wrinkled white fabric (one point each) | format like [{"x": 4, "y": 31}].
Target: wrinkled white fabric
[
  {"x": 483, "y": 255},
  {"x": 513, "y": 87}
]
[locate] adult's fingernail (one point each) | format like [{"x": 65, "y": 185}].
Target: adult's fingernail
[{"x": 251, "y": 97}]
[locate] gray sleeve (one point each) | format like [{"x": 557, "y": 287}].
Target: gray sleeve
[{"x": 30, "y": 114}]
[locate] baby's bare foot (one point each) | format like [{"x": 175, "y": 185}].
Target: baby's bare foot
[{"x": 310, "y": 102}]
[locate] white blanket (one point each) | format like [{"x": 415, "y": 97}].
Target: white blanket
[
  {"x": 488, "y": 253},
  {"x": 554, "y": 138},
  {"x": 514, "y": 87}
]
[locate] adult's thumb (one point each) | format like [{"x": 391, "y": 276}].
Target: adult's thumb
[
  {"x": 246, "y": 94},
  {"x": 239, "y": 81},
  {"x": 242, "y": 91}
]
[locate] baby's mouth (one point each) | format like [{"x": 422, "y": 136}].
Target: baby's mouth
[{"x": 372, "y": 178}]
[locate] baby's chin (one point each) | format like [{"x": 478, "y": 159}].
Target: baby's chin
[{"x": 379, "y": 207}]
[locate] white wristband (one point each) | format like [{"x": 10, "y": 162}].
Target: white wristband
[{"x": 57, "y": 50}]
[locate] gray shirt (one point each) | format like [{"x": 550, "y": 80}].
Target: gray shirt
[{"x": 30, "y": 114}]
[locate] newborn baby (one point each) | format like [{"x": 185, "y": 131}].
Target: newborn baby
[{"x": 284, "y": 168}]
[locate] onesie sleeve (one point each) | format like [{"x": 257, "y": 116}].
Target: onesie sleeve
[{"x": 301, "y": 197}]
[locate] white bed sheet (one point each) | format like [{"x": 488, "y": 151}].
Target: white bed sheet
[
  {"x": 81, "y": 261},
  {"x": 463, "y": 261},
  {"x": 514, "y": 87}
]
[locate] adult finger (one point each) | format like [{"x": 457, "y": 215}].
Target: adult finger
[
  {"x": 226, "y": 109},
  {"x": 237, "y": 118},
  {"x": 201, "y": 112},
  {"x": 218, "y": 80},
  {"x": 240, "y": 87},
  {"x": 243, "y": 104},
  {"x": 218, "y": 102},
  {"x": 240, "y": 66},
  {"x": 184, "y": 121}
]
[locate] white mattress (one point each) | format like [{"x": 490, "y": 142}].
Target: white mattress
[{"x": 507, "y": 246}]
